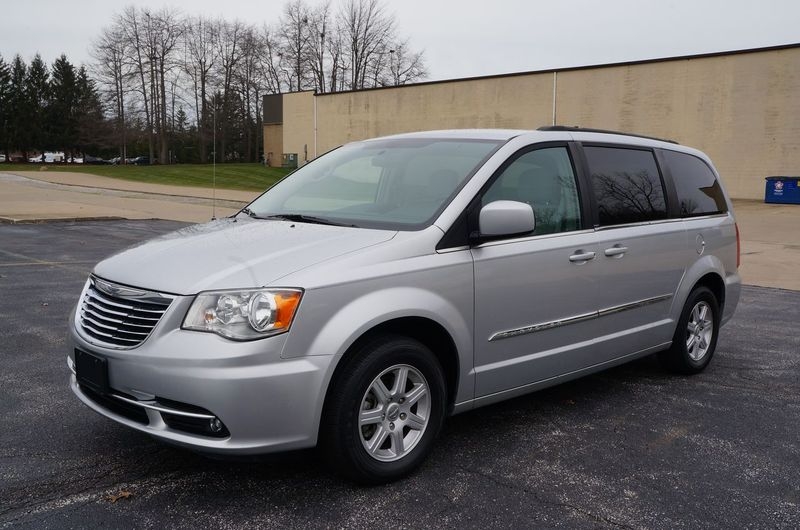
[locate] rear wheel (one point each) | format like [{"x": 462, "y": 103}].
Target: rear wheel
[
  {"x": 384, "y": 411},
  {"x": 695, "y": 337}
]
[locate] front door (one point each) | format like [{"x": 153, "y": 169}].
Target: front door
[{"x": 535, "y": 295}]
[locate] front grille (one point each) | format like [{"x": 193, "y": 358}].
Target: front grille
[{"x": 118, "y": 316}]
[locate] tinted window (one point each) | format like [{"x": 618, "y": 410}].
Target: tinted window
[
  {"x": 699, "y": 193},
  {"x": 545, "y": 180},
  {"x": 626, "y": 184}
]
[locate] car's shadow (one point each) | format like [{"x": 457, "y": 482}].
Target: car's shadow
[{"x": 482, "y": 431}]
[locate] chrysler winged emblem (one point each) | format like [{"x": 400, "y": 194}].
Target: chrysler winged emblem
[{"x": 117, "y": 290}]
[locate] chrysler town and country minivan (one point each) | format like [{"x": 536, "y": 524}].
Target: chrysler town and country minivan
[{"x": 392, "y": 282}]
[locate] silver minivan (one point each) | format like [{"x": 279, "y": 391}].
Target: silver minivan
[{"x": 392, "y": 282}]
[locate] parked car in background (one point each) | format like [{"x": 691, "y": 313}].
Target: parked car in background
[
  {"x": 140, "y": 161},
  {"x": 2, "y": 158},
  {"x": 392, "y": 282},
  {"x": 48, "y": 158},
  {"x": 94, "y": 160}
]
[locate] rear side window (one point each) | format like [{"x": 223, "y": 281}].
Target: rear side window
[
  {"x": 627, "y": 185},
  {"x": 698, "y": 191}
]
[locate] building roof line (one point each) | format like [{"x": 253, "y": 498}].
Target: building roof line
[{"x": 573, "y": 68}]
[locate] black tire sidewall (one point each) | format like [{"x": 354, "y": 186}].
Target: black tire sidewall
[
  {"x": 344, "y": 438},
  {"x": 679, "y": 351}
]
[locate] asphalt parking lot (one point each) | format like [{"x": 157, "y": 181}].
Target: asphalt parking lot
[{"x": 629, "y": 447}]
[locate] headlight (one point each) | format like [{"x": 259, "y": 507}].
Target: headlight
[{"x": 243, "y": 314}]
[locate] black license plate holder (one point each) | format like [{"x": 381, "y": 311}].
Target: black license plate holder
[{"x": 92, "y": 371}]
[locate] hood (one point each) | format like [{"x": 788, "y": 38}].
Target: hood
[{"x": 232, "y": 254}]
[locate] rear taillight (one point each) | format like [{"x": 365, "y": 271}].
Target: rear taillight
[{"x": 738, "y": 247}]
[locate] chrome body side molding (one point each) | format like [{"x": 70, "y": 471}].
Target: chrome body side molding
[{"x": 543, "y": 326}]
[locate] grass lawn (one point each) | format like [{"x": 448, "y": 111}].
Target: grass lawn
[{"x": 228, "y": 176}]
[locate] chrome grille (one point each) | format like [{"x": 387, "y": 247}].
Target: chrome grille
[{"x": 119, "y": 316}]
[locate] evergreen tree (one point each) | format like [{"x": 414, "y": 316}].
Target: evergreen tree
[
  {"x": 62, "y": 111},
  {"x": 93, "y": 130},
  {"x": 181, "y": 120},
  {"x": 37, "y": 90},
  {"x": 5, "y": 103},
  {"x": 182, "y": 138},
  {"x": 18, "y": 130}
]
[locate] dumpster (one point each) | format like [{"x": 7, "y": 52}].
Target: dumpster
[{"x": 782, "y": 190}]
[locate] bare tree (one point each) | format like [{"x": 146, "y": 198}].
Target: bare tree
[
  {"x": 249, "y": 87},
  {"x": 229, "y": 51},
  {"x": 367, "y": 30},
  {"x": 165, "y": 31},
  {"x": 200, "y": 58},
  {"x": 338, "y": 69},
  {"x": 132, "y": 27},
  {"x": 154, "y": 64},
  {"x": 295, "y": 36},
  {"x": 150, "y": 45},
  {"x": 110, "y": 53},
  {"x": 268, "y": 60},
  {"x": 378, "y": 73},
  {"x": 405, "y": 66},
  {"x": 319, "y": 29}
]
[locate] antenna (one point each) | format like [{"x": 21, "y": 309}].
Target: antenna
[{"x": 214, "y": 165}]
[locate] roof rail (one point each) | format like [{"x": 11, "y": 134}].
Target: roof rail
[{"x": 575, "y": 128}]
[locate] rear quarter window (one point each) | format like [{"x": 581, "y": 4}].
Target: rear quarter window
[
  {"x": 699, "y": 192},
  {"x": 627, "y": 185}
]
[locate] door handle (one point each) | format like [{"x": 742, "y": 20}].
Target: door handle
[
  {"x": 616, "y": 251},
  {"x": 581, "y": 257}
]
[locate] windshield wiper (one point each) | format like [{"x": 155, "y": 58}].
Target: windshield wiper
[
  {"x": 301, "y": 218},
  {"x": 250, "y": 213}
]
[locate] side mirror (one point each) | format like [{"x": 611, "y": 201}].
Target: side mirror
[{"x": 506, "y": 218}]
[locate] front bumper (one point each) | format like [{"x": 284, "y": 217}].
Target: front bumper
[{"x": 266, "y": 403}]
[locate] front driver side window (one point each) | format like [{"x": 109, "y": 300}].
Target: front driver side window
[{"x": 544, "y": 179}]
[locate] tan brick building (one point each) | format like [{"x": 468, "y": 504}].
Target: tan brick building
[{"x": 742, "y": 108}]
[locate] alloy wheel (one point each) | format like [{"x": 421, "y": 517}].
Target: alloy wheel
[
  {"x": 700, "y": 330},
  {"x": 394, "y": 413}
]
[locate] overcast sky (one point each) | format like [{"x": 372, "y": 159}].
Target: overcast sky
[{"x": 462, "y": 38}]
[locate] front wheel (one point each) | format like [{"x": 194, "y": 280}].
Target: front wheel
[
  {"x": 695, "y": 337},
  {"x": 384, "y": 410}
]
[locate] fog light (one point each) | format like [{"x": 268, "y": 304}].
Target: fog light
[{"x": 215, "y": 425}]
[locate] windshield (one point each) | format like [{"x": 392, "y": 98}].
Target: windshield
[{"x": 399, "y": 184}]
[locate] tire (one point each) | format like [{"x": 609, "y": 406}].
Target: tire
[
  {"x": 373, "y": 431},
  {"x": 692, "y": 346}
]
